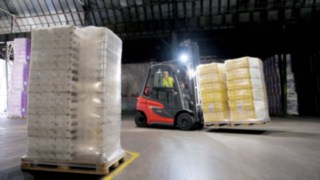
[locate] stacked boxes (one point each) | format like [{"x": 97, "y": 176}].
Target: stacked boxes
[
  {"x": 292, "y": 96},
  {"x": 213, "y": 93},
  {"x": 75, "y": 95},
  {"x": 274, "y": 89},
  {"x": 17, "y": 97},
  {"x": 51, "y": 115},
  {"x": 246, "y": 90},
  {"x": 3, "y": 87},
  {"x": 273, "y": 84}
]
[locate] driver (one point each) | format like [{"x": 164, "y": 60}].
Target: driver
[{"x": 167, "y": 80}]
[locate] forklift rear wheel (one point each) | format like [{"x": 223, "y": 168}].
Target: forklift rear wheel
[
  {"x": 185, "y": 121},
  {"x": 140, "y": 119}
]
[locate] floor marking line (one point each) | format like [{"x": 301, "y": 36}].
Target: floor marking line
[{"x": 134, "y": 155}]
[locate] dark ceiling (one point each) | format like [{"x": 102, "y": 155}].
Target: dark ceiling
[
  {"x": 146, "y": 26},
  {"x": 148, "y": 17}
]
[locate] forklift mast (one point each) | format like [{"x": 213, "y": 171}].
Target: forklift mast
[{"x": 192, "y": 50}]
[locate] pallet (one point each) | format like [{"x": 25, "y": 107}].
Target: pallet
[
  {"x": 17, "y": 117},
  {"x": 72, "y": 167},
  {"x": 245, "y": 123},
  {"x": 216, "y": 124},
  {"x": 236, "y": 123}
]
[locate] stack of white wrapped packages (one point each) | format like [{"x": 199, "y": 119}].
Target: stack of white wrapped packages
[
  {"x": 213, "y": 93},
  {"x": 17, "y": 96},
  {"x": 292, "y": 95},
  {"x": 75, "y": 95},
  {"x": 246, "y": 91}
]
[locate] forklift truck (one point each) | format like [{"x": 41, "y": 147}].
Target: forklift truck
[{"x": 178, "y": 105}]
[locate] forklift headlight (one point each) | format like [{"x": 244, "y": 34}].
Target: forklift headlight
[{"x": 184, "y": 58}]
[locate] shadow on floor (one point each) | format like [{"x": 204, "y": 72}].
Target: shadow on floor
[
  {"x": 238, "y": 131},
  {"x": 17, "y": 174},
  {"x": 161, "y": 127},
  {"x": 292, "y": 134},
  {"x": 37, "y": 175},
  {"x": 272, "y": 133}
]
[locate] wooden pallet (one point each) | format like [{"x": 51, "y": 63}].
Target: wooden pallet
[
  {"x": 216, "y": 124},
  {"x": 243, "y": 123},
  {"x": 72, "y": 167},
  {"x": 17, "y": 117},
  {"x": 235, "y": 123}
]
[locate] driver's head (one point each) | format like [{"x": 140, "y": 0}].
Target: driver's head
[{"x": 165, "y": 74}]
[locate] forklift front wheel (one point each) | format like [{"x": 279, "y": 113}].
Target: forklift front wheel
[
  {"x": 140, "y": 119},
  {"x": 185, "y": 121}
]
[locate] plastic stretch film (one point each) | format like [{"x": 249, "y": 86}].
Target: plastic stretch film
[
  {"x": 213, "y": 92},
  {"x": 74, "y": 95},
  {"x": 17, "y": 95},
  {"x": 246, "y": 90}
]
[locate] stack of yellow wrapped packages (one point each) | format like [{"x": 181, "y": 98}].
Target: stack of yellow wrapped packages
[
  {"x": 247, "y": 96},
  {"x": 213, "y": 93}
]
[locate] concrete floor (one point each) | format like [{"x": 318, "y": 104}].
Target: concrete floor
[{"x": 286, "y": 149}]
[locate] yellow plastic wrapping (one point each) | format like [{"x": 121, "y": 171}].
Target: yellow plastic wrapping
[
  {"x": 212, "y": 68},
  {"x": 244, "y": 73},
  {"x": 245, "y": 84},
  {"x": 243, "y": 104},
  {"x": 222, "y": 116},
  {"x": 213, "y": 92},
  {"x": 243, "y": 115},
  {"x": 244, "y": 62},
  {"x": 211, "y": 87},
  {"x": 246, "y": 90},
  {"x": 215, "y": 107},
  {"x": 214, "y": 96},
  {"x": 210, "y": 79},
  {"x": 240, "y": 94},
  {"x": 247, "y": 104},
  {"x": 256, "y": 93}
]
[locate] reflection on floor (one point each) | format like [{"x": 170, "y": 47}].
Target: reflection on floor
[{"x": 288, "y": 148}]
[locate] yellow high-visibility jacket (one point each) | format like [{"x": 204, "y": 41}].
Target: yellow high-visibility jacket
[{"x": 168, "y": 82}]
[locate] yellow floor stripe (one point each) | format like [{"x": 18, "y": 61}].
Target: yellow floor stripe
[{"x": 134, "y": 155}]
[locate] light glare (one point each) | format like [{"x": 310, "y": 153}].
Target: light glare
[{"x": 184, "y": 57}]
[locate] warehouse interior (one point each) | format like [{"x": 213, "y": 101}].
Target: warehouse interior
[{"x": 283, "y": 34}]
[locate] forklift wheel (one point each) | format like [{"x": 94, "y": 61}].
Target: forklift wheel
[
  {"x": 140, "y": 119},
  {"x": 185, "y": 121}
]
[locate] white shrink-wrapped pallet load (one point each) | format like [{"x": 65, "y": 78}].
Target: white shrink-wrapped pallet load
[
  {"x": 292, "y": 96},
  {"x": 246, "y": 91},
  {"x": 75, "y": 95},
  {"x": 17, "y": 95},
  {"x": 213, "y": 93}
]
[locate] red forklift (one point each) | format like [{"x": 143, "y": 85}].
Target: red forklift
[{"x": 178, "y": 105}]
